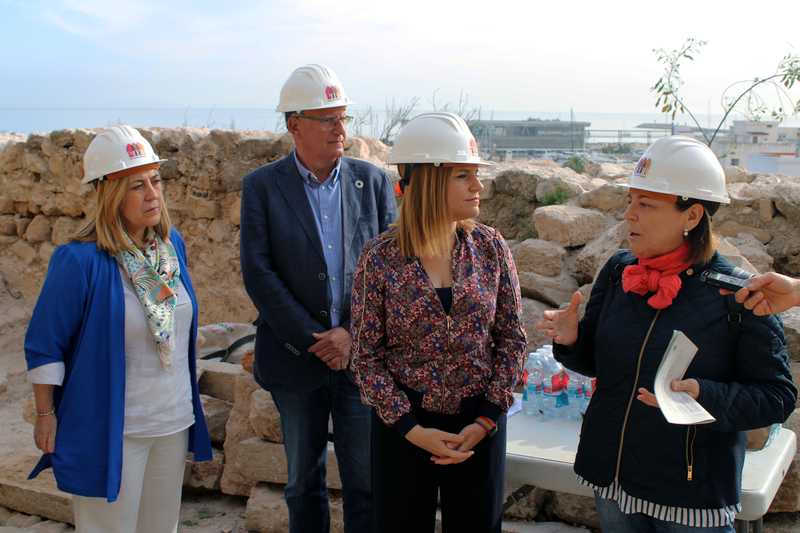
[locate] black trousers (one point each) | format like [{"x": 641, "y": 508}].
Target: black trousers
[{"x": 406, "y": 484}]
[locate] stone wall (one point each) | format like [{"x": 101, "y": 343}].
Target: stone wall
[{"x": 42, "y": 203}]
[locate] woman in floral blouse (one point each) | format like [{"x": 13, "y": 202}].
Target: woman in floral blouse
[{"x": 438, "y": 345}]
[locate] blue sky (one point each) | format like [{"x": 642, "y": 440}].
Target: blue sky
[{"x": 505, "y": 55}]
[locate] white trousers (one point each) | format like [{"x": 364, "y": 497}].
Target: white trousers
[{"x": 150, "y": 493}]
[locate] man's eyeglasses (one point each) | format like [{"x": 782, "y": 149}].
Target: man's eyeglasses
[{"x": 328, "y": 122}]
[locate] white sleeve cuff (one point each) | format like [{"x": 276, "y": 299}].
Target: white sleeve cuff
[{"x": 48, "y": 374}]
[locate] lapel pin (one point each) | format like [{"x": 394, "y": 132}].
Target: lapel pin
[{"x": 359, "y": 184}]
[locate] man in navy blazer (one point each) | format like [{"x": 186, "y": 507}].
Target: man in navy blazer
[{"x": 305, "y": 219}]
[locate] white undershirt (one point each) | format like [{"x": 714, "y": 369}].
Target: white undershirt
[{"x": 158, "y": 401}]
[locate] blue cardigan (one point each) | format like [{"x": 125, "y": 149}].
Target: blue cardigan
[{"x": 79, "y": 320}]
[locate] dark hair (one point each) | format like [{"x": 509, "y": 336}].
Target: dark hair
[{"x": 700, "y": 239}]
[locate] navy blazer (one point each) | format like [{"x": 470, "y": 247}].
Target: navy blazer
[{"x": 284, "y": 268}]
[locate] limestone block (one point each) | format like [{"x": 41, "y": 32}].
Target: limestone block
[
  {"x": 204, "y": 474},
  {"x": 22, "y": 225},
  {"x": 232, "y": 209},
  {"x": 552, "y": 290},
  {"x": 574, "y": 509},
  {"x": 45, "y": 251},
  {"x": 524, "y": 503},
  {"x": 267, "y": 512},
  {"x": 753, "y": 250},
  {"x": 22, "y": 521},
  {"x": 487, "y": 193},
  {"x": 787, "y": 199},
  {"x": 217, "y": 412},
  {"x": 39, "y": 229},
  {"x": 7, "y": 206},
  {"x": 595, "y": 254},
  {"x": 532, "y": 313},
  {"x": 516, "y": 183},
  {"x": 264, "y": 416},
  {"x": 202, "y": 208},
  {"x": 234, "y": 480},
  {"x": 791, "y": 328},
  {"x": 608, "y": 197},
  {"x": 541, "y": 257},
  {"x": 5, "y": 514},
  {"x": 63, "y": 230},
  {"x": 38, "y": 496},
  {"x": 24, "y": 251},
  {"x": 219, "y": 379},
  {"x": 734, "y": 174},
  {"x": 568, "y": 225},
  {"x": 567, "y": 183},
  {"x": 731, "y": 228},
  {"x": 8, "y": 226},
  {"x": 49, "y": 526},
  {"x": 260, "y": 460}
]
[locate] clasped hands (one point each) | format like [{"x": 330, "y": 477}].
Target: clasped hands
[{"x": 447, "y": 448}]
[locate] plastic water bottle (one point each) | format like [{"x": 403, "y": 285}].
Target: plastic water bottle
[
  {"x": 554, "y": 397},
  {"x": 531, "y": 391}
]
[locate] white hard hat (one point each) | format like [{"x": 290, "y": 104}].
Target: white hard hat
[
  {"x": 682, "y": 166},
  {"x": 436, "y": 138},
  {"x": 114, "y": 149},
  {"x": 312, "y": 87}
]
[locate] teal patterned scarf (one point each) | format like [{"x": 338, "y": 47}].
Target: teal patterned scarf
[{"x": 155, "y": 274}]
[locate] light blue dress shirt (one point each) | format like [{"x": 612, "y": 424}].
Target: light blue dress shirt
[{"x": 325, "y": 199}]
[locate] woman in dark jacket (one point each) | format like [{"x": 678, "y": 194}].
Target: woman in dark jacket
[{"x": 648, "y": 474}]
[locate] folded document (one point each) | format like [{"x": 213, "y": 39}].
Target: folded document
[{"x": 678, "y": 407}]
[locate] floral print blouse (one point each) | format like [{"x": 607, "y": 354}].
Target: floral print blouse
[{"x": 402, "y": 336}]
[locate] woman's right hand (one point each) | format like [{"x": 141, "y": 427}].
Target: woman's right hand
[
  {"x": 44, "y": 433},
  {"x": 439, "y": 443},
  {"x": 562, "y": 325}
]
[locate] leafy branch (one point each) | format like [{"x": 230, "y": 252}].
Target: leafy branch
[{"x": 668, "y": 98}]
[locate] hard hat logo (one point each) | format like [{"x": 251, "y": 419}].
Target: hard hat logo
[
  {"x": 332, "y": 93},
  {"x": 473, "y": 146},
  {"x": 135, "y": 150},
  {"x": 642, "y": 167}
]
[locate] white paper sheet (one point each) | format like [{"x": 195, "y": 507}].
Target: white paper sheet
[{"x": 678, "y": 407}]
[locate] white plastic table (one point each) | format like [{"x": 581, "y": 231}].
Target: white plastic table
[{"x": 542, "y": 452}]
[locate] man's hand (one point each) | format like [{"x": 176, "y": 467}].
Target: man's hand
[
  {"x": 472, "y": 435},
  {"x": 333, "y": 347},
  {"x": 562, "y": 325},
  {"x": 769, "y": 293},
  {"x": 440, "y": 444},
  {"x": 690, "y": 386},
  {"x": 44, "y": 433}
]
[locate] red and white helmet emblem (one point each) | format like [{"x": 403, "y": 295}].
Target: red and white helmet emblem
[
  {"x": 331, "y": 93},
  {"x": 135, "y": 150},
  {"x": 473, "y": 146},
  {"x": 642, "y": 167}
]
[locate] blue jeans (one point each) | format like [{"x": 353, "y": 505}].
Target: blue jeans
[
  {"x": 613, "y": 520},
  {"x": 304, "y": 420}
]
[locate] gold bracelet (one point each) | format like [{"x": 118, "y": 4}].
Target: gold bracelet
[{"x": 51, "y": 412}]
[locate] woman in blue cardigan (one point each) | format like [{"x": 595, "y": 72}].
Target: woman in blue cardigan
[{"x": 111, "y": 351}]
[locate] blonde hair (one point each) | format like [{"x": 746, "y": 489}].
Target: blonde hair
[
  {"x": 105, "y": 225},
  {"x": 424, "y": 226}
]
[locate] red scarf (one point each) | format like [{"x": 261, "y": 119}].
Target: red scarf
[{"x": 660, "y": 275}]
